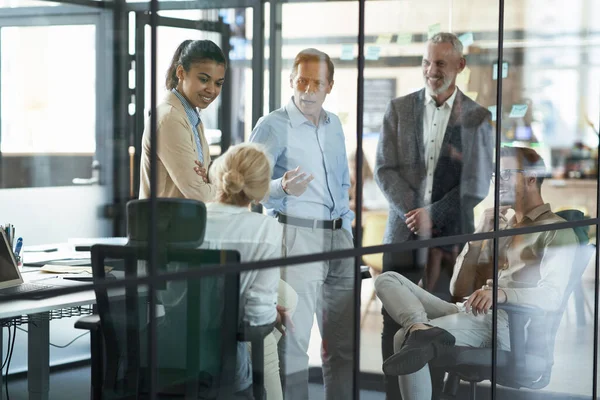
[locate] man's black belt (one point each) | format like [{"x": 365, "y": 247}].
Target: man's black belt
[{"x": 334, "y": 224}]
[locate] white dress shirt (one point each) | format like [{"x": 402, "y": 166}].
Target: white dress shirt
[
  {"x": 435, "y": 122},
  {"x": 256, "y": 237}
]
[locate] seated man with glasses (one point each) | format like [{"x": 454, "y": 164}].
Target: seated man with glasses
[{"x": 534, "y": 269}]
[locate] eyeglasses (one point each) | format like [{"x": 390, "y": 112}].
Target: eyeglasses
[
  {"x": 505, "y": 174},
  {"x": 302, "y": 84}
]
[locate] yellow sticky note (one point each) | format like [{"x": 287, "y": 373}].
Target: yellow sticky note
[
  {"x": 463, "y": 79},
  {"x": 472, "y": 95},
  {"x": 385, "y": 38},
  {"x": 433, "y": 29},
  {"x": 404, "y": 38}
]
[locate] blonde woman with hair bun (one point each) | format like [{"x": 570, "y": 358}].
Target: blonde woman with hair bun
[{"x": 242, "y": 175}]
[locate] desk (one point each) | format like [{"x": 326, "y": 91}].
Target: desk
[{"x": 38, "y": 338}]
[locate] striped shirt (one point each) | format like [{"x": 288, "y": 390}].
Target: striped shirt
[{"x": 194, "y": 118}]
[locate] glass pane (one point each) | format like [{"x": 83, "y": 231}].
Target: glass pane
[
  {"x": 545, "y": 319},
  {"x": 553, "y": 56},
  {"x": 34, "y": 98},
  {"x": 429, "y": 137}
]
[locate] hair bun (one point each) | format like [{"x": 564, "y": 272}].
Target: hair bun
[{"x": 233, "y": 182}]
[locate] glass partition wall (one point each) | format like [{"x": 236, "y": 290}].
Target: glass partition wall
[{"x": 482, "y": 228}]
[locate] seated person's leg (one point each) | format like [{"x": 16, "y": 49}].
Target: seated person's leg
[
  {"x": 288, "y": 299},
  {"x": 406, "y": 303},
  {"x": 271, "y": 360},
  {"x": 415, "y": 386},
  {"x": 467, "y": 329},
  {"x": 390, "y": 327}
]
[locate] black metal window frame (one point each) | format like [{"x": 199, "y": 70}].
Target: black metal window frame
[
  {"x": 153, "y": 278},
  {"x": 77, "y": 15}
]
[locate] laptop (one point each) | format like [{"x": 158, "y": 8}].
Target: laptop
[{"x": 11, "y": 280}]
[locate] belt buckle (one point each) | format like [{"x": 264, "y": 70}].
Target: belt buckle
[{"x": 337, "y": 224}]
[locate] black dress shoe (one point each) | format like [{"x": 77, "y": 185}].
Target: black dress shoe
[{"x": 420, "y": 347}]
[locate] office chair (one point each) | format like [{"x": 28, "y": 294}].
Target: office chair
[
  {"x": 181, "y": 228},
  {"x": 529, "y": 362},
  {"x": 196, "y": 342}
]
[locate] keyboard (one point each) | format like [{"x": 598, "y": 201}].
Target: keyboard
[{"x": 24, "y": 288}]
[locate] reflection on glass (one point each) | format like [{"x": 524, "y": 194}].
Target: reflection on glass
[{"x": 554, "y": 55}]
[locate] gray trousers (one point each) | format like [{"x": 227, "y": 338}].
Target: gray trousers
[
  {"x": 326, "y": 289},
  {"x": 409, "y": 304}
]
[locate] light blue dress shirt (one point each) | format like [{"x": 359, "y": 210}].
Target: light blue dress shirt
[
  {"x": 194, "y": 118},
  {"x": 291, "y": 140}
]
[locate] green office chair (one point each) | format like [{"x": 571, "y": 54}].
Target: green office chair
[
  {"x": 181, "y": 226},
  {"x": 196, "y": 338}
]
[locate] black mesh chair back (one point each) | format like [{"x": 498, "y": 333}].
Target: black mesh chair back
[
  {"x": 197, "y": 324},
  {"x": 181, "y": 222}
]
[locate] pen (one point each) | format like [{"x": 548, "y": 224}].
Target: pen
[{"x": 18, "y": 247}]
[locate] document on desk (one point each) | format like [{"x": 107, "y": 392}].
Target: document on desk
[
  {"x": 65, "y": 269},
  {"x": 85, "y": 244},
  {"x": 68, "y": 257}
]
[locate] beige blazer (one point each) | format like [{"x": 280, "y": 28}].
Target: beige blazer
[{"x": 176, "y": 155}]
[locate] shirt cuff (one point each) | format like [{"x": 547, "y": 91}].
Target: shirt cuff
[{"x": 276, "y": 190}]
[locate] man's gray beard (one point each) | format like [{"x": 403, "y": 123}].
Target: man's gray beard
[{"x": 445, "y": 86}]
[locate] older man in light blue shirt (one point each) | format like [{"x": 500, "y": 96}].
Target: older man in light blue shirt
[{"x": 309, "y": 196}]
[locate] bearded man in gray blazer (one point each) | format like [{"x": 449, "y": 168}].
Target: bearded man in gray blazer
[{"x": 434, "y": 164}]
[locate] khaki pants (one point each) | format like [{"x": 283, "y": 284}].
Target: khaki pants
[{"x": 325, "y": 289}]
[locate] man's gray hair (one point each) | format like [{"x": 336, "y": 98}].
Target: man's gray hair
[{"x": 447, "y": 37}]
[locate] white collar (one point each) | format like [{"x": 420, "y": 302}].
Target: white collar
[{"x": 449, "y": 103}]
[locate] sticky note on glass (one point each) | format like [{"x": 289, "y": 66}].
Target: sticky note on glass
[
  {"x": 404, "y": 38},
  {"x": 493, "y": 110},
  {"x": 433, "y": 29},
  {"x": 518, "y": 111},
  {"x": 464, "y": 77},
  {"x": 373, "y": 53},
  {"x": 385, "y": 38},
  {"x": 347, "y": 52},
  {"x": 466, "y": 39},
  {"x": 504, "y": 71}
]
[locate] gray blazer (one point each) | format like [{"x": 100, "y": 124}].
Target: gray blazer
[{"x": 462, "y": 174}]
